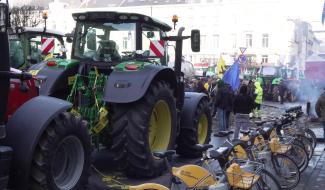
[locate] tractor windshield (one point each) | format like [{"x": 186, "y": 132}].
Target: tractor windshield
[
  {"x": 110, "y": 42},
  {"x": 103, "y": 41}
]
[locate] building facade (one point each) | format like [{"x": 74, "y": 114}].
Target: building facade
[{"x": 265, "y": 28}]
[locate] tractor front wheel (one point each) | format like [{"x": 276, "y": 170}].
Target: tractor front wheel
[
  {"x": 62, "y": 156},
  {"x": 144, "y": 127},
  {"x": 197, "y": 133}
]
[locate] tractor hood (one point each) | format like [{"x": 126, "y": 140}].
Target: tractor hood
[
  {"x": 133, "y": 65},
  {"x": 53, "y": 63}
]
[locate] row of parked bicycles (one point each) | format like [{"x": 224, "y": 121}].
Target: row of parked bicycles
[{"x": 270, "y": 156}]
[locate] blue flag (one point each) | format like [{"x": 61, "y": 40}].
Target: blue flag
[
  {"x": 323, "y": 14},
  {"x": 231, "y": 76}
]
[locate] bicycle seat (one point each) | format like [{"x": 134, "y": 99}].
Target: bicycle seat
[
  {"x": 214, "y": 154},
  {"x": 223, "y": 133},
  {"x": 164, "y": 154},
  {"x": 202, "y": 147},
  {"x": 245, "y": 132}
]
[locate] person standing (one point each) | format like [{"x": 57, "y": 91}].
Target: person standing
[
  {"x": 320, "y": 110},
  {"x": 229, "y": 107},
  {"x": 251, "y": 88},
  {"x": 243, "y": 105},
  {"x": 212, "y": 95},
  {"x": 200, "y": 87},
  {"x": 258, "y": 99},
  {"x": 282, "y": 89},
  {"x": 223, "y": 100}
]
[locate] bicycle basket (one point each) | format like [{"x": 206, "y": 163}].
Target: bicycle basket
[
  {"x": 242, "y": 174},
  {"x": 261, "y": 152},
  {"x": 281, "y": 145}
]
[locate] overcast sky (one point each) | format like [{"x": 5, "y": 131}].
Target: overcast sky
[{"x": 309, "y": 10}]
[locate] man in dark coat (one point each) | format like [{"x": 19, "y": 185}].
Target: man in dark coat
[
  {"x": 243, "y": 105},
  {"x": 223, "y": 103}
]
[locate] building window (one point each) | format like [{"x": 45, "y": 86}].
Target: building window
[
  {"x": 215, "y": 39},
  {"x": 265, "y": 59},
  {"x": 265, "y": 40},
  {"x": 249, "y": 40},
  {"x": 125, "y": 43}
]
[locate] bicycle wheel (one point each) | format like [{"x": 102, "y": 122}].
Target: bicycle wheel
[
  {"x": 299, "y": 155},
  {"x": 286, "y": 171},
  {"x": 307, "y": 145},
  {"x": 311, "y": 136},
  {"x": 266, "y": 182}
]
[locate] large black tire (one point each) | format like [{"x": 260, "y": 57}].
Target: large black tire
[
  {"x": 131, "y": 131},
  {"x": 198, "y": 133},
  {"x": 62, "y": 156}
]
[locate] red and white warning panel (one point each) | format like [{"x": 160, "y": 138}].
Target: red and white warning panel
[
  {"x": 157, "y": 48},
  {"x": 47, "y": 45}
]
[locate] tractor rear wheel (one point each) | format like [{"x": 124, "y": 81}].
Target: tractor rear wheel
[
  {"x": 143, "y": 127},
  {"x": 198, "y": 133},
  {"x": 62, "y": 156}
]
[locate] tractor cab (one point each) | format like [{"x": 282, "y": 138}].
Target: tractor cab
[
  {"x": 29, "y": 46},
  {"x": 111, "y": 37}
]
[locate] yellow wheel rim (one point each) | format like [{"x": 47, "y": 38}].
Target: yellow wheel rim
[
  {"x": 202, "y": 129},
  {"x": 160, "y": 127}
]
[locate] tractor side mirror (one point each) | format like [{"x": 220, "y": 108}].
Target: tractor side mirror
[
  {"x": 69, "y": 39},
  {"x": 150, "y": 34},
  {"x": 195, "y": 40}
]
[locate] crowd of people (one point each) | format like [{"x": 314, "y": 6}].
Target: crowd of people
[{"x": 244, "y": 103}]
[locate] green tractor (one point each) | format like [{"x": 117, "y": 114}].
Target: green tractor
[
  {"x": 118, "y": 81},
  {"x": 272, "y": 77},
  {"x": 29, "y": 46},
  {"x": 42, "y": 145}
]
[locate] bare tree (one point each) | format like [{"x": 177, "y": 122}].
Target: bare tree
[{"x": 26, "y": 15}]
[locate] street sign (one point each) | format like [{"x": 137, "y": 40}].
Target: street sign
[
  {"x": 242, "y": 50},
  {"x": 242, "y": 59}
]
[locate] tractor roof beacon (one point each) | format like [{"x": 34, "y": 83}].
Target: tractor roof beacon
[
  {"x": 119, "y": 82},
  {"x": 24, "y": 161}
]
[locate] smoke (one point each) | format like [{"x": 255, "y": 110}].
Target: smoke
[{"x": 308, "y": 91}]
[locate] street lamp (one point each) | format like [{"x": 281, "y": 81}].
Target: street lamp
[{"x": 45, "y": 17}]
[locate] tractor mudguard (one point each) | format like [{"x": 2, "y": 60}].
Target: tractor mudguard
[
  {"x": 56, "y": 78},
  {"x": 130, "y": 86},
  {"x": 191, "y": 102},
  {"x": 24, "y": 129}
]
